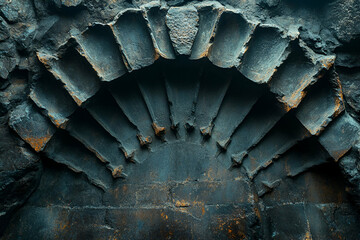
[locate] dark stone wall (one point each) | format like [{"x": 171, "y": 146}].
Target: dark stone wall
[{"x": 179, "y": 119}]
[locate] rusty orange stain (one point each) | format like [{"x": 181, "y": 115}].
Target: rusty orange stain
[
  {"x": 339, "y": 101},
  {"x": 116, "y": 173},
  {"x": 200, "y": 204},
  {"x": 115, "y": 192},
  {"x": 159, "y": 131},
  {"x": 157, "y": 55},
  {"x": 295, "y": 98},
  {"x": 164, "y": 216},
  {"x": 42, "y": 59},
  {"x": 327, "y": 63},
  {"x": 211, "y": 174},
  {"x": 76, "y": 99},
  {"x": 38, "y": 143},
  {"x": 257, "y": 213},
  {"x": 101, "y": 158},
  {"x": 182, "y": 203},
  {"x": 308, "y": 236},
  {"x": 58, "y": 123},
  {"x": 228, "y": 226}
]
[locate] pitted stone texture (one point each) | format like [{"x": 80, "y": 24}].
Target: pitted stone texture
[
  {"x": 343, "y": 19},
  {"x": 183, "y": 25},
  {"x": 261, "y": 61},
  {"x": 17, "y": 10}
]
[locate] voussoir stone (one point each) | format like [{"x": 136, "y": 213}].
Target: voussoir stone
[{"x": 183, "y": 25}]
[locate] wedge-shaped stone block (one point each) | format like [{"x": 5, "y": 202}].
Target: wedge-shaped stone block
[
  {"x": 183, "y": 25},
  {"x": 66, "y": 150},
  {"x": 322, "y": 103},
  {"x": 233, "y": 33},
  {"x": 209, "y": 13},
  {"x": 340, "y": 136},
  {"x": 155, "y": 16},
  {"x": 302, "y": 68},
  {"x": 50, "y": 95},
  {"x": 89, "y": 132},
  {"x": 213, "y": 88},
  {"x": 132, "y": 33},
  {"x": 286, "y": 133},
  {"x": 266, "y": 51},
  {"x": 98, "y": 46},
  {"x": 298, "y": 160},
  {"x": 182, "y": 87},
  {"x": 77, "y": 75},
  {"x": 260, "y": 120},
  {"x": 128, "y": 96},
  {"x": 154, "y": 94},
  {"x": 105, "y": 110},
  {"x": 238, "y": 101},
  {"x": 304, "y": 156},
  {"x": 32, "y": 126}
]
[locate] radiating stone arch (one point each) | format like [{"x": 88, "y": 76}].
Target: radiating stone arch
[{"x": 271, "y": 97}]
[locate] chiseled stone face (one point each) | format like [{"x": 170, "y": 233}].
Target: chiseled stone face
[{"x": 177, "y": 120}]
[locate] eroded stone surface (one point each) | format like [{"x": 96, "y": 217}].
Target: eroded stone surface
[{"x": 183, "y": 25}]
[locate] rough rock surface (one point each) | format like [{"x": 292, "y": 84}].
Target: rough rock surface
[
  {"x": 350, "y": 166},
  {"x": 20, "y": 172},
  {"x": 183, "y": 23}
]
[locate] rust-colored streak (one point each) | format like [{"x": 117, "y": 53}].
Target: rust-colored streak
[
  {"x": 116, "y": 173},
  {"x": 164, "y": 216},
  {"x": 144, "y": 141},
  {"x": 159, "y": 131},
  {"x": 182, "y": 203}
]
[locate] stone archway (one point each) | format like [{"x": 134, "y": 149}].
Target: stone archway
[{"x": 185, "y": 122}]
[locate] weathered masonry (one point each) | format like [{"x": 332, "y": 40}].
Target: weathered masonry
[{"x": 178, "y": 120}]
